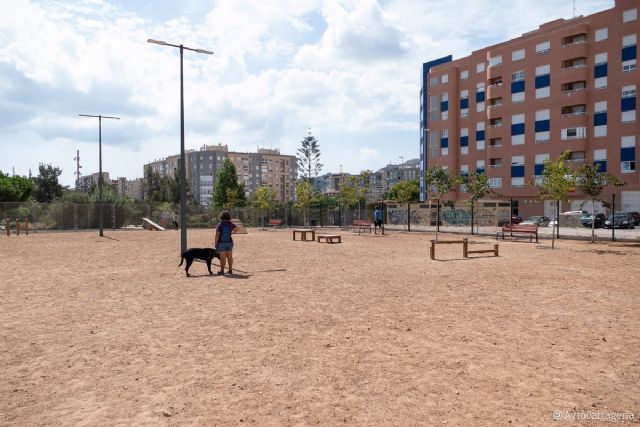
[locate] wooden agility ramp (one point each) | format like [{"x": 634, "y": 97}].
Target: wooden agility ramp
[{"x": 150, "y": 225}]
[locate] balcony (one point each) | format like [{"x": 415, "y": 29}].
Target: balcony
[{"x": 495, "y": 90}]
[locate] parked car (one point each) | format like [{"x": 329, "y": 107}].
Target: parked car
[
  {"x": 621, "y": 220},
  {"x": 636, "y": 217},
  {"x": 585, "y": 220},
  {"x": 516, "y": 219},
  {"x": 552, "y": 223},
  {"x": 540, "y": 221}
]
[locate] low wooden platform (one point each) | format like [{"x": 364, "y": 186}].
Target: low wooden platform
[
  {"x": 304, "y": 233},
  {"x": 329, "y": 238}
]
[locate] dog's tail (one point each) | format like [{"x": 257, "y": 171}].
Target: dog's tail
[{"x": 181, "y": 260}]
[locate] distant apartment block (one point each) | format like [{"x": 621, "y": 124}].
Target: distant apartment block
[
  {"x": 380, "y": 182},
  {"x": 505, "y": 109},
  {"x": 85, "y": 183},
  {"x": 266, "y": 167},
  {"x": 130, "y": 188}
]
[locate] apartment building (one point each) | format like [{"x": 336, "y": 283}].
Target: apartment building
[
  {"x": 133, "y": 188},
  {"x": 265, "y": 167},
  {"x": 569, "y": 85}
]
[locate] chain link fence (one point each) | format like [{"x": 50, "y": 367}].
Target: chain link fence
[{"x": 73, "y": 216}]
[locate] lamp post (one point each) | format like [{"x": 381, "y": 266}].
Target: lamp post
[
  {"x": 100, "y": 178},
  {"x": 183, "y": 173}
]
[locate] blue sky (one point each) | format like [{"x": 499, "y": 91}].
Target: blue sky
[{"x": 348, "y": 70}]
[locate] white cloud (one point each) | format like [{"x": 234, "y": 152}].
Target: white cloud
[{"x": 350, "y": 70}]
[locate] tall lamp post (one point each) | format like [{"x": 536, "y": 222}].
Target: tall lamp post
[
  {"x": 183, "y": 173},
  {"x": 100, "y": 178}
]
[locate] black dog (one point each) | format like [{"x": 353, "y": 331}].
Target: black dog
[{"x": 205, "y": 254}]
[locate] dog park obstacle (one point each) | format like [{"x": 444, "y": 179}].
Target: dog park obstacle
[
  {"x": 7, "y": 224},
  {"x": 465, "y": 248},
  {"x": 303, "y": 232},
  {"x": 150, "y": 225},
  {"x": 330, "y": 238}
]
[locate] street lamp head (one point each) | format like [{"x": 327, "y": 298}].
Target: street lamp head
[
  {"x": 206, "y": 52},
  {"x": 161, "y": 43}
]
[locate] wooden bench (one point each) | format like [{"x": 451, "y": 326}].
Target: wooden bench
[
  {"x": 330, "y": 238},
  {"x": 303, "y": 234},
  {"x": 465, "y": 248},
  {"x": 361, "y": 225},
  {"x": 275, "y": 223},
  {"x": 530, "y": 229}
]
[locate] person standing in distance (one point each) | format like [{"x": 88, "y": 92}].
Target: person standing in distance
[
  {"x": 377, "y": 220},
  {"x": 224, "y": 241}
]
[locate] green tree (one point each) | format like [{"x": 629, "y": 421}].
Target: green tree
[
  {"x": 439, "y": 182},
  {"x": 558, "y": 180},
  {"x": 264, "y": 199},
  {"x": 152, "y": 186},
  {"x": 304, "y": 195},
  {"x": 405, "y": 190},
  {"x": 47, "y": 186},
  {"x": 15, "y": 188},
  {"x": 477, "y": 185},
  {"x": 309, "y": 164},
  {"x": 591, "y": 182},
  {"x": 227, "y": 179},
  {"x": 349, "y": 192}
]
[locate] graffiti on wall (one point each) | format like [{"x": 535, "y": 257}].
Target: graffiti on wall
[{"x": 489, "y": 214}]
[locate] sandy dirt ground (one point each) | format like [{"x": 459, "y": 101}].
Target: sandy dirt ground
[{"x": 109, "y": 331}]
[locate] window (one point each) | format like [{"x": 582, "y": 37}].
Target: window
[
  {"x": 517, "y": 55},
  {"x": 576, "y": 156},
  {"x": 574, "y": 39},
  {"x": 600, "y": 58},
  {"x": 444, "y": 97},
  {"x": 495, "y": 182},
  {"x": 600, "y": 83},
  {"x": 628, "y": 66},
  {"x": 495, "y": 61},
  {"x": 464, "y": 75},
  {"x": 433, "y": 82},
  {"x": 517, "y": 181},
  {"x": 517, "y": 76},
  {"x": 629, "y": 91},
  {"x": 543, "y": 92},
  {"x": 517, "y": 97},
  {"x": 599, "y": 107},
  {"x": 629, "y": 15},
  {"x": 543, "y": 47},
  {"x": 495, "y": 163},
  {"x": 444, "y": 78},
  {"x": 628, "y": 166},
  {"x": 601, "y": 34},
  {"x": 629, "y": 40},
  {"x": 629, "y": 116},
  {"x": 573, "y": 133}
]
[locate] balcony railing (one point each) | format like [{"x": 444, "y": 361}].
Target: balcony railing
[
  {"x": 573, "y": 67},
  {"x": 497, "y": 125},
  {"x": 575, "y": 43},
  {"x": 575, "y": 113},
  {"x": 570, "y": 91}
]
